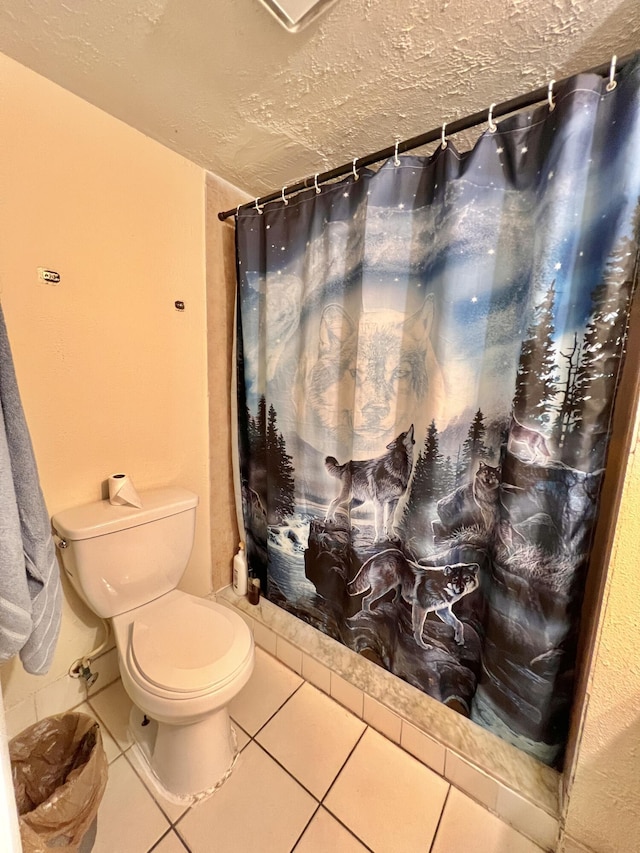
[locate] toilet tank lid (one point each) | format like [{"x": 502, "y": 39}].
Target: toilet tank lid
[{"x": 101, "y": 517}]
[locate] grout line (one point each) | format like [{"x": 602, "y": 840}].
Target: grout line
[
  {"x": 350, "y": 831},
  {"x": 181, "y": 839},
  {"x": 108, "y": 731},
  {"x": 279, "y": 763},
  {"x": 316, "y": 810},
  {"x": 343, "y": 825},
  {"x": 162, "y": 838},
  {"x": 288, "y": 772},
  {"x": 312, "y": 795},
  {"x": 444, "y": 805},
  {"x": 175, "y": 825},
  {"x": 280, "y": 707},
  {"x": 155, "y": 802},
  {"x": 274, "y": 758},
  {"x": 335, "y": 779}
]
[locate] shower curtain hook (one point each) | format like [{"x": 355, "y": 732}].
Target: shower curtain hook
[
  {"x": 611, "y": 85},
  {"x": 237, "y": 211},
  {"x": 443, "y": 141},
  {"x": 356, "y": 176},
  {"x": 552, "y": 103},
  {"x": 492, "y": 125},
  {"x": 285, "y": 200},
  {"x": 396, "y": 159},
  {"x": 315, "y": 183},
  {"x": 257, "y": 207}
]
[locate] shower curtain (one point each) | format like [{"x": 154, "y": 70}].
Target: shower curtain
[{"x": 428, "y": 357}]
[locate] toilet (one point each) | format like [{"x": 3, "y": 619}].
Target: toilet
[{"x": 182, "y": 658}]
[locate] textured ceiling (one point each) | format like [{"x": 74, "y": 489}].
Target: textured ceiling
[{"x": 221, "y": 82}]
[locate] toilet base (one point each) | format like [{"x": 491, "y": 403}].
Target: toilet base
[{"x": 188, "y": 761}]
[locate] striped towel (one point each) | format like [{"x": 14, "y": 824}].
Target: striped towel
[{"x": 30, "y": 592}]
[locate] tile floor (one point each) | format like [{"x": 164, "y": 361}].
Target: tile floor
[{"x": 311, "y": 777}]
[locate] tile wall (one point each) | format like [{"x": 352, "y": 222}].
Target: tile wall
[{"x": 60, "y": 695}]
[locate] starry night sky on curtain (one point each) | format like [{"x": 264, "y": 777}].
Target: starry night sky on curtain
[{"x": 428, "y": 358}]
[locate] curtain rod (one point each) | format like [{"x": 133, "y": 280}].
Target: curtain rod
[{"x": 496, "y": 111}]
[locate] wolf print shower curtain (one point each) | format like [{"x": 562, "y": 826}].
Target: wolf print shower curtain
[{"x": 428, "y": 358}]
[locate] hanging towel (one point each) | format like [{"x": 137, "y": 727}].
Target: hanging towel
[{"x": 30, "y": 593}]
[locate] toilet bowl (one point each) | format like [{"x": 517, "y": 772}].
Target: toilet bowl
[{"x": 182, "y": 658}]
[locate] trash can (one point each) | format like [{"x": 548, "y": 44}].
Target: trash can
[{"x": 59, "y": 771}]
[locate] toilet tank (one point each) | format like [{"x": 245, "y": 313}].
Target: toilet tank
[{"x": 120, "y": 557}]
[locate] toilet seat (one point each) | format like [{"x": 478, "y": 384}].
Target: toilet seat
[{"x": 182, "y": 646}]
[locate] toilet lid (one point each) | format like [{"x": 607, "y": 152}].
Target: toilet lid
[{"x": 187, "y": 645}]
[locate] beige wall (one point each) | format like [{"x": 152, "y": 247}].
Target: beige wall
[
  {"x": 603, "y": 810},
  {"x": 112, "y": 377}
]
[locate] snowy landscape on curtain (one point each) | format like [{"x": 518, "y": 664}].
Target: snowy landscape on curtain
[{"x": 428, "y": 358}]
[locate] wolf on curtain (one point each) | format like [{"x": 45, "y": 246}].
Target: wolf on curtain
[{"x": 428, "y": 358}]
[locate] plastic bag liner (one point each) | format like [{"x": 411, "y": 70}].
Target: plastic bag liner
[{"x": 59, "y": 771}]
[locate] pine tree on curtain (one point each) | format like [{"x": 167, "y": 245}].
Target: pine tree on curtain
[{"x": 428, "y": 359}]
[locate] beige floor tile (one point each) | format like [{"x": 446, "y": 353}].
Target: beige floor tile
[
  {"x": 325, "y": 834},
  {"x": 259, "y": 808},
  {"x": 269, "y": 687},
  {"x": 171, "y": 843},
  {"x": 111, "y": 748},
  {"x": 128, "y": 818},
  {"x": 387, "y": 798},
  {"x": 113, "y": 706},
  {"x": 466, "y": 826},
  {"x": 311, "y": 736}
]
